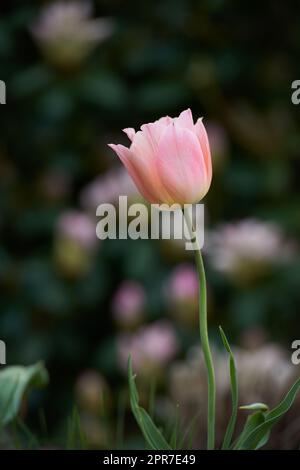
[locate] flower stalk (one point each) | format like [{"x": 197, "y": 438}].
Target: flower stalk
[{"x": 211, "y": 411}]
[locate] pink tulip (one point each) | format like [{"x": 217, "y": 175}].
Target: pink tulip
[{"x": 169, "y": 159}]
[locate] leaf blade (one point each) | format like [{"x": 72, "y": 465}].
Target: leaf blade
[
  {"x": 234, "y": 393},
  {"x": 258, "y": 434},
  {"x": 151, "y": 433},
  {"x": 14, "y": 382}
]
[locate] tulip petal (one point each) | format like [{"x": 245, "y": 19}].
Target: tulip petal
[
  {"x": 130, "y": 132},
  {"x": 181, "y": 165},
  {"x": 144, "y": 153},
  {"x": 161, "y": 125},
  {"x": 203, "y": 139},
  {"x": 152, "y": 133},
  {"x": 164, "y": 121},
  {"x": 185, "y": 119},
  {"x": 125, "y": 156},
  {"x": 154, "y": 130}
]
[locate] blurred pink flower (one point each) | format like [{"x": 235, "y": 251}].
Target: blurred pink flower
[
  {"x": 78, "y": 227},
  {"x": 128, "y": 303},
  {"x": 246, "y": 249},
  {"x": 169, "y": 159},
  {"x": 151, "y": 347},
  {"x": 107, "y": 188},
  {"x": 181, "y": 293},
  {"x": 183, "y": 284},
  {"x": 66, "y": 32}
]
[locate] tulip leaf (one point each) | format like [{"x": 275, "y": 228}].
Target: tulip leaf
[
  {"x": 253, "y": 421},
  {"x": 174, "y": 435},
  {"x": 255, "y": 407},
  {"x": 15, "y": 381},
  {"x": 151, "y": 433},
  {"x": 234, "y": 393},
  {"x": 258, "y": 434}
]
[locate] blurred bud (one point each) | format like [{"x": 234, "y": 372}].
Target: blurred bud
[
  {"x": 151, "y": 348},
  {"x": 91, "y": 391},
  {"x": 72, "y": 259},
  {"x": 128, "y": 304},
  {"x": 181, "y": 293},
  {"x": 79, "y": 227},
  {"x": 75, "y": 242},
  {"x": 247, "y": 250},
  {"x": 66, "y": 33}
]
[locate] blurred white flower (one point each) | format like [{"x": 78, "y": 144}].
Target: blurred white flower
[
  {"x": 247, "y": 249},
  {"x": 67, "y": 34}
]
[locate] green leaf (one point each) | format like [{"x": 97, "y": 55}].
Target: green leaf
[
  {"x": 15, "y": 381},
  {"x": 134, "y": 397},
  {"x": 174, "y": 435},
  {"x": 255, "y": 407},
  {"x": 234, "y": 393},
  {"x": 253, "y": 421},
  {"x": 258, "y": 434},
  {"x": 225, "y": 341},
  {"x": 151, "y": 433},
  {"x": 32, "y": 441},
  {"x": 187, "y": 438},
  {"x": 152, "y": 398},
  {"x": 76, "y": 437}
]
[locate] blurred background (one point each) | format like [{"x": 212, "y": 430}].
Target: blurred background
[{"x": 76, "y": 73}]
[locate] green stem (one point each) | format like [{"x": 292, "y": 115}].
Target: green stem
[{"x": 204, "y": 339}]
